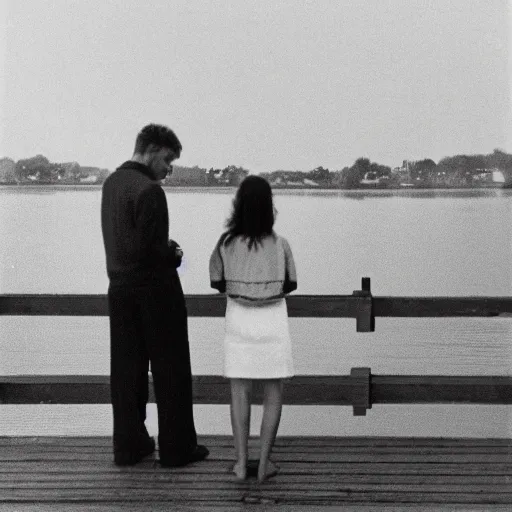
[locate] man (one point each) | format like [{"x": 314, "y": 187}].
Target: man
[{"x": 148, "y": 316}]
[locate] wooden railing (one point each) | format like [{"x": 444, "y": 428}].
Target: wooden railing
[{"x": 360, "y": 389}]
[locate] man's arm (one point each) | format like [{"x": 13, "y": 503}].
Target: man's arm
[{"x": 153, "y": 247}]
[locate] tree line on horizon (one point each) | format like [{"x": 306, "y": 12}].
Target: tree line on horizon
[
  {"x": 450, "y": 172},
  {"x": 39, "y": 169}
]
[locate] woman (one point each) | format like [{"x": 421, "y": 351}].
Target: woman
[{"x": 254, "y": 266}]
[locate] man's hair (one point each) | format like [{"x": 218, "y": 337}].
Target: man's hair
[
  {"x": 160, "y": 136},
  {"x": 253, "y": 212}
]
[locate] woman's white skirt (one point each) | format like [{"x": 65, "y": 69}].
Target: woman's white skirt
[{"x": 257, "y": 343}]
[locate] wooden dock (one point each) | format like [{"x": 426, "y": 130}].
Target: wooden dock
[{"x": 317, "y": 473}]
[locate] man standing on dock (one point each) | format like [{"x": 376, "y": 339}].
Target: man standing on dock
[{"x": 148, "y": 316}]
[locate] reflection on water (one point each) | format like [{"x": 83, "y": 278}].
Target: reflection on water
[
  {"x": 46, "y": 189},
  {"x": 328, "y": 346},
  {"x": 398, "y": 193},
  {"x": 358, "y": 194},
  {"x": 410, "y": 242}
]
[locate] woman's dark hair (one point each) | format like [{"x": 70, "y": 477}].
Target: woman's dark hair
[
  {"x": 160, "y": 136},
  {"x": 253, "y": 212}
]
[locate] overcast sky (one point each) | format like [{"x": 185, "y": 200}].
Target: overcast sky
[{"x": 265, "y": 84}]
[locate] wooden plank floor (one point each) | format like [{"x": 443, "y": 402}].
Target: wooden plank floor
[{"x": 317, "y": 473}]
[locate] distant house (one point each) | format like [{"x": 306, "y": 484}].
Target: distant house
[
  {"x": 370, "y": 178},
  {"x": 69, "y": 172},
  {"x": 488, "y": 176},
  {"x": 291, "y": 179},
  {"x": 402, "y": 174},
  {"x": 277, "y": 181},
  {"x": 498, "y": 176},
  {"x": 89, "y": 179},
  {"x": 294, "y": 183},
  {"x": 100, "y": 174},
  {"x": 482, "y": 176}
]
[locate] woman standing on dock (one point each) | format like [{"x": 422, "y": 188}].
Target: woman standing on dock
[{"x": 254, "y": 266}]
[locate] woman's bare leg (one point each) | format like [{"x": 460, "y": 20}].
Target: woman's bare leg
[
  {"x": 272, "y": 406},
  {"x": 240, "y": 422}
]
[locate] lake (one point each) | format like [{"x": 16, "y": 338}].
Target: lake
[{"x": 409, "y": 242}]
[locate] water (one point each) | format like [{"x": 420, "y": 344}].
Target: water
[{"x": 416, "y": 243}]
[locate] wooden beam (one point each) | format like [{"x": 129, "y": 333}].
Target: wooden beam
[
  {"x": 427, "y": 389},
  {"x": 326, "y": 306},
  {"x": 441, "y": 306},
  {"x": 360, "y": 389},
  {"x": 197, "y": 305},
  {"x": 208, "y": 389},
  {"x": 53, "y": 305}
]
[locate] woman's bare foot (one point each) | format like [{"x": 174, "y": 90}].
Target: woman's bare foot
[
  {"x": 240, "y": 471},
  {"x": 267, "y": 470}
]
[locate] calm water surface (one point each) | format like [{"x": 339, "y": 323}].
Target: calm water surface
[{"x": 409, "y": 242}]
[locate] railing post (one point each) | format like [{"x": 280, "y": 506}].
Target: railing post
[
  {"x": 361, "y": 401},
  {"x": 365, "y": 318}
]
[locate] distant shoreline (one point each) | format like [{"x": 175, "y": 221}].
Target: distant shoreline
[{"x": 201, "y": 188}]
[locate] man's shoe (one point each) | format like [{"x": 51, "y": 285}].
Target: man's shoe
[
  {"x": 199, "y": 453},
  {"x": 131, "y": 458}
]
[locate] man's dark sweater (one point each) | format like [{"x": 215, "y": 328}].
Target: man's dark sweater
[{"x": 135, "y": 226}]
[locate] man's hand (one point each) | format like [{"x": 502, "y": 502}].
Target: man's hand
[{"x": 178, "y": 251}]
